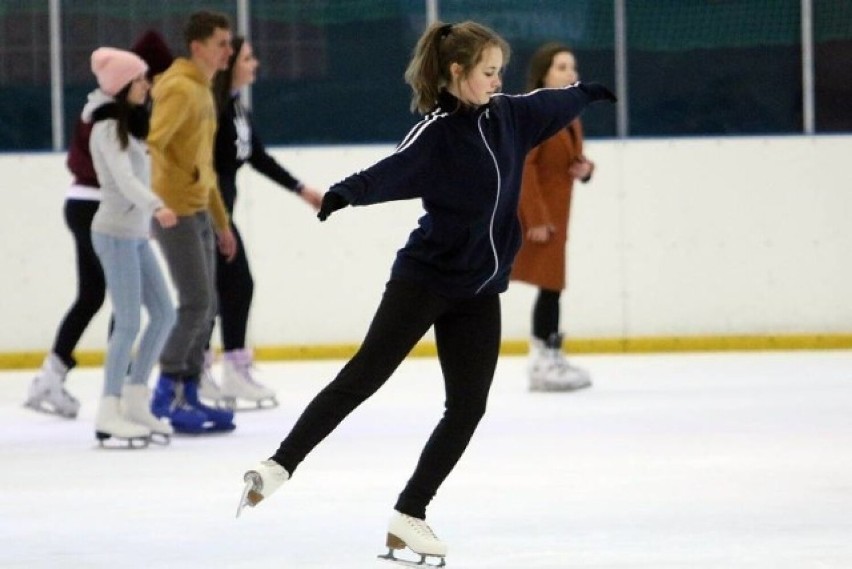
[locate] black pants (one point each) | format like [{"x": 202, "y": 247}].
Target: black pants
[
  {"x": 545, "y": 320},
  {"x": 235, "y": 289},
  {"x": 91, "y": 284},
  {"x": 467, "y": 333}
]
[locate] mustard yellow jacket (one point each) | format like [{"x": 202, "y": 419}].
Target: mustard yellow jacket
[{"x": 181, "y": 139}]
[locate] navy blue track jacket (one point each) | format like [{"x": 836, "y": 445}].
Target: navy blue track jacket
[{"x": 465, "y": 164}]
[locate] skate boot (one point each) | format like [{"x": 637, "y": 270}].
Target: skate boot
[
  {"x": 221, "y": 420},
  {"x": 549, "y": 370},
  {"x": 110, "y": 423},
  {"x": 47, "y": 392},
  {"x": 415, "y": 534},
  {"x": 169, "y": 402},
  {"x": 238, "y": 383},
  {"x": 136, "y": 402},
  {"x": 261, "y": 482},
  {"x": 208, "y": 389}
]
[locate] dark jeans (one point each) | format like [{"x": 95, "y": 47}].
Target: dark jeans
[
  {"x": 91, "y": 285},
  {"x": 467, "y": 333},
  {"x": 235, "y": 289}
]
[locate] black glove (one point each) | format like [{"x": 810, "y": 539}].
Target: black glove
[
  {"x": 331, "y": 201},
  {"x": 597, "y": 92}
]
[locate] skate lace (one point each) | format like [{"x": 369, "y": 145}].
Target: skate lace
[{"x": 421, "y": 527}]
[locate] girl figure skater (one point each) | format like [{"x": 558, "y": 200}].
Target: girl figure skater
[
  {"x": 121, "y": 238},
  {"x": 237, "y": 143},
  {"x": 547, "y": 184},
  {"x": 464, "y": 162}
]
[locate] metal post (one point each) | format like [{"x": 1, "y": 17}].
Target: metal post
[
  {"x": 431, "y": 12},
  {"x": 57, "y": 113},
  {"x": 808, "y": 106},
  {"x": 243, "y": 29},
  {"x": 622, "y": 125}
]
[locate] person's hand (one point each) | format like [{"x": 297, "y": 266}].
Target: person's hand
[
  {"x": 311, "y": 196},
  {"x": 597, "y": 92},
  {"x": 227, "y": 244},
  {"x": 581, "y": 169},
  {"x": 165, "y": 217},
  {"x": 331, "y": 202},
  {"x": 540, "y": 233}
]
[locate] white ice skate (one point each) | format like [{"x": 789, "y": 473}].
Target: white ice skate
[
  {"x": 136, "y": 406},
  {"x": 261, "y": 482},
  {"x": 208, "y": 389},
  {"x": 240, "y": 390},
  {"x": 47, "y": 392},
  {"x": 110, "y": 423},
  {"x": 549, "y": 370},
  {"x": 415, "y": 534}
]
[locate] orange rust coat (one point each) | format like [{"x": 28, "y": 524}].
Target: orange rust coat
[{"x": 546, "y": 200}]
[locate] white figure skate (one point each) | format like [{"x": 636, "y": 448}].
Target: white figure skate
[
  {"x": 240, "y": 390},
  {"x": 549, "y": 370},
  {"x": 261, "y": 482},
  {"x": 47, "y": 392},
  {"x": 415, "y": 534},
  {"x": 136, "y": 406},
  {"x": 208, "y": 389},
  {"x": 111, "y": 423}
]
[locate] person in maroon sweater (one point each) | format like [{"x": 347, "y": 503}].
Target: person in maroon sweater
[{"x": 47, "y": 391}]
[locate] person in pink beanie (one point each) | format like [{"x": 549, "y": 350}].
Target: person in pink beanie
[
  {"x": 116, "y": 68},
  {"x": 121, "y": 236}
]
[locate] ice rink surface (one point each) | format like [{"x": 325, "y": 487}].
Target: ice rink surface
[{"x": 729, "y": 461}]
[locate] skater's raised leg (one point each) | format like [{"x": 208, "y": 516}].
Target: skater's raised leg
[{"x": 404, "y": 315}]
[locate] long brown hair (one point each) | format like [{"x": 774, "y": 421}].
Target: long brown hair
[
  {"x": 223, "y": 79},
  {"x": 440, "y": 46},
  {"x": 541, "y": 61}
]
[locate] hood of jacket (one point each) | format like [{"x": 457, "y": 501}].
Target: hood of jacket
[
  {"x": 97, "y": 98},
  {"x": 182, "y": 68}
]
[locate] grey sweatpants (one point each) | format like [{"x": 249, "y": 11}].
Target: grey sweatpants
[{"x": 190, "y": 252}]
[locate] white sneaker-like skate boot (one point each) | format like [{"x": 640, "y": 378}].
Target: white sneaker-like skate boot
[
  {"x": 110, "y": 422},
  {"x": 207, "y": 387},
  {"x": 136, "y": 406},
  {"x": 261, "y": 481},
  {"x": 549, "y": 370},
  {"x": 415, "y": 534},
  {"x": 238, "y": 383},
  {"x": 47, "y": 390}
]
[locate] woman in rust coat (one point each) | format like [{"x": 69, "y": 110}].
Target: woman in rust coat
[{"x": 549, "y": 173}]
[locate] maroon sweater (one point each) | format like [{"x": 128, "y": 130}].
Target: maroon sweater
[{"x": 79, "y": 158}]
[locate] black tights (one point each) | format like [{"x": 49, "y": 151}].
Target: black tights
[
  {"x": 91, "y": 285},
  {"x": 546, "y": 314},
  {"x": 235, "y": 289},
  {"x": 467, "y": 333}
]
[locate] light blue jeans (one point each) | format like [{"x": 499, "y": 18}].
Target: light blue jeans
[{"x": 134, "y": 279}]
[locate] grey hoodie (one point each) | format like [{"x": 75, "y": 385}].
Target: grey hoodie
[{"x": 127, "y": 202}]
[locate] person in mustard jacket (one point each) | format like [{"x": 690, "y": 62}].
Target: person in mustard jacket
[
  {"x": 549, "y": 173},
  {"x": 180, "y": 140}
]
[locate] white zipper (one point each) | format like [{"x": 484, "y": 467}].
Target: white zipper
[{"x": 496, "y": 203}]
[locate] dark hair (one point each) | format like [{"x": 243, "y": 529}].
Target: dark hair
[
  {"x": 125, "y": 110},
  {"x": 203, "y": 24},
  {"x": 541, "y": 61},
  {"x": 223, "y": 79},
  {"x": 127, "y": 117},
  {"x": 440, "y": 46}
]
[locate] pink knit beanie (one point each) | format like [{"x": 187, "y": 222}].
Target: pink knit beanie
[{"x": 115, "y": 68}]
